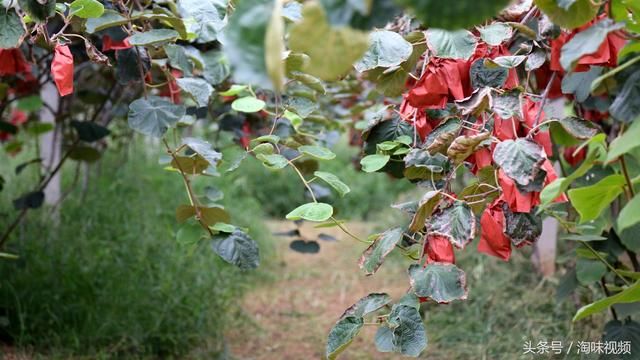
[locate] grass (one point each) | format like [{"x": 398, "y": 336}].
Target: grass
[{"x": 110, "y": 279}]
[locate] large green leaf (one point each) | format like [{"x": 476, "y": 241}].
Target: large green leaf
[
  {"x": 203, "y": 149},
  {"x": 427, "y": 203},
  {"x": 375, "y": 162},
  {"x": 244, "y": 42},
  {"x": 626, "y": 106},
  {"x": 89, "y": 131},
  {"x": 273, "y": 161},
  {"x": 459, "y": 44},
  {"x": 404, "y": 332},
  {"x": 342, "y": 334},
  {"x": 590, "y": 201},
  {"x": 198, "y": 89},
  {"x": 620, "y": 333},
  {"x": 630, "y": 214},
  {"x": 318, "y": 152},
  {"x": 109, "y": 18},
  {"x": 578, "y": 128},
  {"x": 628, "y": 295},
  {"x": 361, "y": 14},
  {"x": 312, "y": 212},
  {"x": 154, "y": 115},
  {"x": 216, "y": 66},
  {"x": 578, "y": 14},
  {"x": 248, "y": 104},
  {"x": 86, "y": 8},
  {"x": 367, "y": 305},
  {"x": 11, "y": 29},
  {"x": 332, "y": 51},
  {"x": 38, "y": 10},
  {"x": 151, "y": 37},
  {"x": 375, "y": 254},
  {"x": 333, "y": 181},
  {"x": 520, "y": 159},
  {"x": 440, "y": 282},
  {"x": 454, "y": 15},
  {"x": 625, "y": 143},
  {"x": 386, "y": 49},
  {"x": 178, "y": 58},
  {"x": 579, "y": 83},
  {"x": 496, "y": 33},
  {"x": 587, "y": 42},
  {"x": 208, "y": 17},
  {"x": 237, "y": 248},
  {"x": 589, "y": 271},
  {"x": 456, "y": 222}
]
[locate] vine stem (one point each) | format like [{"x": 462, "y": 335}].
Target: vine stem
[
  {"x": 604, "y": 261},
  {"x": 623, "y": 164},
  {"x": 304, "y": 181},
  {"x": 192, "y": 199},
  {"x": 346, "y": 231},
  {"x": 543, "y": 101}
]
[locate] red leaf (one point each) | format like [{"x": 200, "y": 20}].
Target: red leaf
[
  {"x": 493, "y": 241},
  {"x": 12, "y": 62},
  {"x": 517, "y": 201},
  {"x": 62, "y": 69},
  {"x": 109, "y": 44},
  {"x": 439, "y": 249}
]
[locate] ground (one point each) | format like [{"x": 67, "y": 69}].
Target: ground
[{"x": 293, "y": 315}]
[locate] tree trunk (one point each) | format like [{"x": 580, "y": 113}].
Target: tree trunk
[{"x": 51, "y": 142}]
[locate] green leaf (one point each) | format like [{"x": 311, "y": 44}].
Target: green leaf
[
  {"x": 628, "y": 295},
  {"x": 590, "y": 201},
  {"x": 496, "y": 33},
  {"x": 312, "y": 212},
  {"x": 459, "y": 44},
  {"x": 455, "y": 222},
  {"x": 342, "y": 334},
  {"x": 207, "y": 18},
  {"x": 424, "y": 210},
  {"x": 509, "y": 62},
  {"x": 89, "y": 131},
  {"x": 520, "y": 159},
  {"x": 317, "y": 152},
  {"x": 11, "y": 29},
  {"x": 458, "y": 15},
  {"x": 216, "y": 67},
  {"x": 274, "y": 161},
  {"x": 508, "y": 104},
  {"x": 30, "y": 200},
  {"x": 521, "y": 228},
  {"x": 630, "y": 237},
  {"x": 38, "y": 10},
  {"x": 333, "y": 181},
  {"x": 404, "y": 334},
  {"x": 625, "y": 143},
  {"x": 621, "y": 333},
  {"x": 85, "y": 153},
  {"x": 629, "y": 215},
  {"x": 178, "y": 58},
  {"x": 375, "y": 162},
  {"x": 86, "y": 8},
  {"x": 234, "y": 90},
  {"x": 198, "y": 89},
  {"x": 626, "y": 106},
  {"x": 237, "y": 248},
  {"x": 440, "y": 282},
  {"x": 7, "y": 256},
  {"x": 487, "y": 76},
  {"x": 578, "y": 128},
  {"x": 386, "y": 49},
  {"x": 244, "y": 42},
  {"x": 274, "y": 47},
  {"x": 152, "y": 37},
  {"x": 375, "y": 254},
  {"x": 154, "y": 115},
  {"x": 203, "y": 149},
  {"x": 589, "y": 271},
  {"x": 248, "y": 104},
  {"x": 331, "y": 51},
  {"x": 579, "y": 83},
  {"x": 367, "y": 305},
  {"x": 578, "y": 14},
  {"x": 587, "y": 42},
  {"x": 189, "y": 234}
]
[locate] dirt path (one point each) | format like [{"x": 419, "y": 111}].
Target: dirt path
[{"x": 294, "y": 313}]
